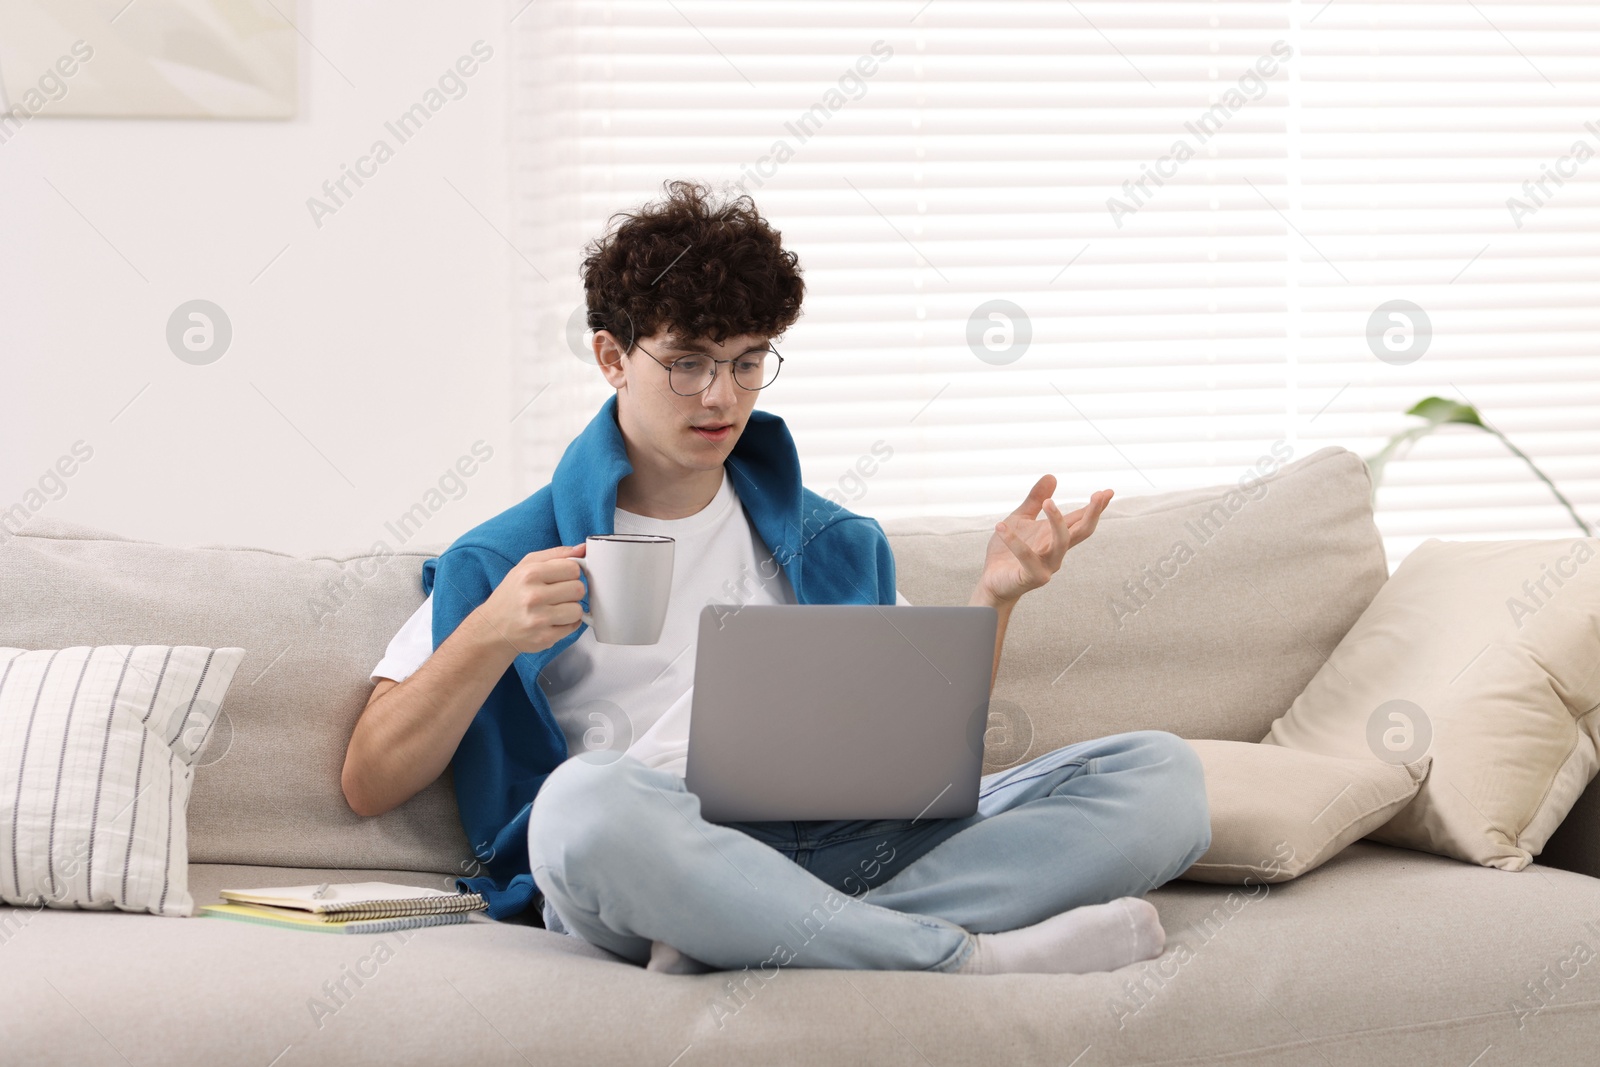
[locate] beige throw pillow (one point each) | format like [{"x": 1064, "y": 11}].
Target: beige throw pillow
[
  {"x": 1277, "y": 813},
  {"x": 1485, "y": 655}
]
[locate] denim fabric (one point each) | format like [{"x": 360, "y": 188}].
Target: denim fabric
[{"x": 624, "y": 858}]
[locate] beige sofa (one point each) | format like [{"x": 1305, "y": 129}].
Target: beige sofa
[{"x": 1381, "y": 956}]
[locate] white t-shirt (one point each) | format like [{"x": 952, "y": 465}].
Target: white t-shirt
[{"x": 636, "y": 698}]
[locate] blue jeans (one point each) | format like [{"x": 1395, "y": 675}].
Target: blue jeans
[{"x": 624, "y": 858}]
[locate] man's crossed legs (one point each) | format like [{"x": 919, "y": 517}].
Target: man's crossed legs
[{"x": 625, "y": 859}]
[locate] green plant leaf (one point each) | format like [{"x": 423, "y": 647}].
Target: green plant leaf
[{"x": 1439, "y": 411}]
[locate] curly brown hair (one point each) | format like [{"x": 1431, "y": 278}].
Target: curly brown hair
[{"x": 693, "y": 266}]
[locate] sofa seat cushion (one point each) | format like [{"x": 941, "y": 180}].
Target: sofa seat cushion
[{"x": 1381, "y": 956}]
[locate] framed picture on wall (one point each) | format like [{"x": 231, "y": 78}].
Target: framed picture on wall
[{"x": 219, "y": 59}]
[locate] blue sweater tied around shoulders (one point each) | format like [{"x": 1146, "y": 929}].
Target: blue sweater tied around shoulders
[{"x": 829, "y": 554}]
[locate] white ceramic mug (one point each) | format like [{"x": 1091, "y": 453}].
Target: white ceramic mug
[{"x": 630, "y": 585}]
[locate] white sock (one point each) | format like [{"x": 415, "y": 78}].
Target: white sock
[
  {"x": 1095, "y": 937},
  {"x": 668, "y": 960}
]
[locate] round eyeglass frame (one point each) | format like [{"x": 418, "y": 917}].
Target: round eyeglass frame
[{"x": 715, "y": 370}]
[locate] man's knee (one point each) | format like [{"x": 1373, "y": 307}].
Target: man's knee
[
  {"x": 1177, "y": 754},
  {"x": 584, "y": 811},
  {"x": 1182, "y": 800}
]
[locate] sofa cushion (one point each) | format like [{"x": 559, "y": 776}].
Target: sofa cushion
[
  {"x": 267, "y": 789},
  {"x": 1382, "y": 956},
  {"x": 97, "y": 747},
  {"x": 1204, "y": 611},
  {"x": 1277, "y": 812},
  {"x": 1486, "y": 655}
]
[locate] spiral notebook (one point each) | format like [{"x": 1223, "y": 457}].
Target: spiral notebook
[
  {"x": 358, "y": 900},
  {"x": 305, "y": 920}
]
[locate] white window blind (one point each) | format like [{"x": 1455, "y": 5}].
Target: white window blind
[
  {"x": 1418, "y": 122},
  {"x": 1190, "y": 211}
]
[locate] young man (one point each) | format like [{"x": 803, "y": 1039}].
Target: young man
[{"x": 497, "y": 676}]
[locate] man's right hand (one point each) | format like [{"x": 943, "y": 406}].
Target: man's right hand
[
  {"x": 409, "y": 730},
  {"x": 536, "y": 603}
]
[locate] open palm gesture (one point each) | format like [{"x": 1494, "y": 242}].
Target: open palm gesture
[{"x": 1027, "y": 549}]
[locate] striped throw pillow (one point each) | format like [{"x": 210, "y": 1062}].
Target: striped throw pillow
[{"x": 96, "y": 754}]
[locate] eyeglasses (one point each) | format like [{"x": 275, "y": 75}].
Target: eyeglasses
[{"x": 693, "y": 374}]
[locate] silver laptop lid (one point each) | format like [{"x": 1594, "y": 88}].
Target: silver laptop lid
[{"x": 839, "y": 711}]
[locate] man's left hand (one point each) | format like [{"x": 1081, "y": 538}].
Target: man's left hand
[{"x": 1027, "y": 549}]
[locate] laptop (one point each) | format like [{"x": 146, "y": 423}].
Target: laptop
[{"x": 839, "y": 711}]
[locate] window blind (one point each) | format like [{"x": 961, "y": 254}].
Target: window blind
[
  {"x": 1138, "y": 245},
  {"x": 1428, "y": 133}
]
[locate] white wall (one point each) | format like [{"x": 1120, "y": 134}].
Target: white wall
[{"x": 382, "y": 338}]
